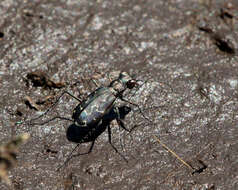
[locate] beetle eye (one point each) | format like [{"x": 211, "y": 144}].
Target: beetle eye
[{"x": 131, "y": 84}]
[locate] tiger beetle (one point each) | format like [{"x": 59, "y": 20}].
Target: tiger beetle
[{"x": 97, "y": 110}]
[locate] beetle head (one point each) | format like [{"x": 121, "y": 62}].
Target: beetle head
[
  {"x": 131, "y": 83},
  {"x": 126, "y": 79}
]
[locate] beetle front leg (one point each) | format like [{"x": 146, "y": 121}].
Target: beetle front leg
[
  {"x": 69, "y": 157},
  {"x": 122, "y": 99}
]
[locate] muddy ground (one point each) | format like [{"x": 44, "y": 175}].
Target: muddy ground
[{"x": 184, "y": 53}]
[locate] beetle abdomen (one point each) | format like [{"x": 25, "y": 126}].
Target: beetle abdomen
[{"x": 93, "y": 109}]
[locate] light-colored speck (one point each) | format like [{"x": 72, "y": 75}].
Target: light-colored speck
[{"x": 233, "y": 83}]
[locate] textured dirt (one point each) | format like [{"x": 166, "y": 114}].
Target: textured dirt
[{"x": 184, "y": 53}]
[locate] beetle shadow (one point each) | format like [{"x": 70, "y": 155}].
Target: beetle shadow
[{"x": 78, "y": 134}]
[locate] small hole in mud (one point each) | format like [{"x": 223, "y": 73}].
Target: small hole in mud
[
  {"x": 1, "y": 34},
  {"x": 29, "y": 14}
]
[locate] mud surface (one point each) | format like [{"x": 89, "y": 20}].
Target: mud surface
[{"x": 185, "y": 54}]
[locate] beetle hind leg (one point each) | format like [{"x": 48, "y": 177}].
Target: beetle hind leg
[
  {"x": 110, "y": 141},
  {"x": 71, "y": 154}
]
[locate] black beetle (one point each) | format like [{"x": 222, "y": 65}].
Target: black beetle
[{"x": 92, "y": 115}]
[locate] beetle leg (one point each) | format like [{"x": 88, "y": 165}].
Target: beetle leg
[
  {"x": 95, "y": 83},
  {"x": 116, "y": 109},
  {"x": 137, "y": 107},
  {"x": 54, "y": 104},
  {"x": 71, "y": 154},
  {"x": 52, "y": 119},
  {"x": 110, "y": 141},
  {"x": 69, "y": 157},
  {"x": 89, "y": 150},
  {"x": 121, "y": 124}
]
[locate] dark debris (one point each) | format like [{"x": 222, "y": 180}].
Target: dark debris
[
  {"x": 8, "y": 155},
  {"x": 40, "y": 79},
  {"x": 222, "y": 43},
  {"x": 201, "y": 169}
]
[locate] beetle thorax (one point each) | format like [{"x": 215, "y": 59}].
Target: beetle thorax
[
  {"x": 117, "y": 87},
  {"x": 123, "y": 82}
]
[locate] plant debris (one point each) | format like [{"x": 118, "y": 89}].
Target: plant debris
[
  {"x": 46, "y": 100},
  {"x": 173, "y": 153},
  {"x": 8, "y": 154},
  {"x": 68, "y": 181},
  {"x": 31, "y": 104},
  {"x": 40, "y": 79},
  {"x": 225, "y": 14},
  {"x": 222, "y": 44},
  {"x": 201, "y": 169},
  {"x": 48, "y": 150}
]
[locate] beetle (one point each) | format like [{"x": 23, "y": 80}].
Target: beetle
[
  {"x": 97, "y": 110},
  {"x": 93, "y": 115},
  {"x": 100, "y": 102}
]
